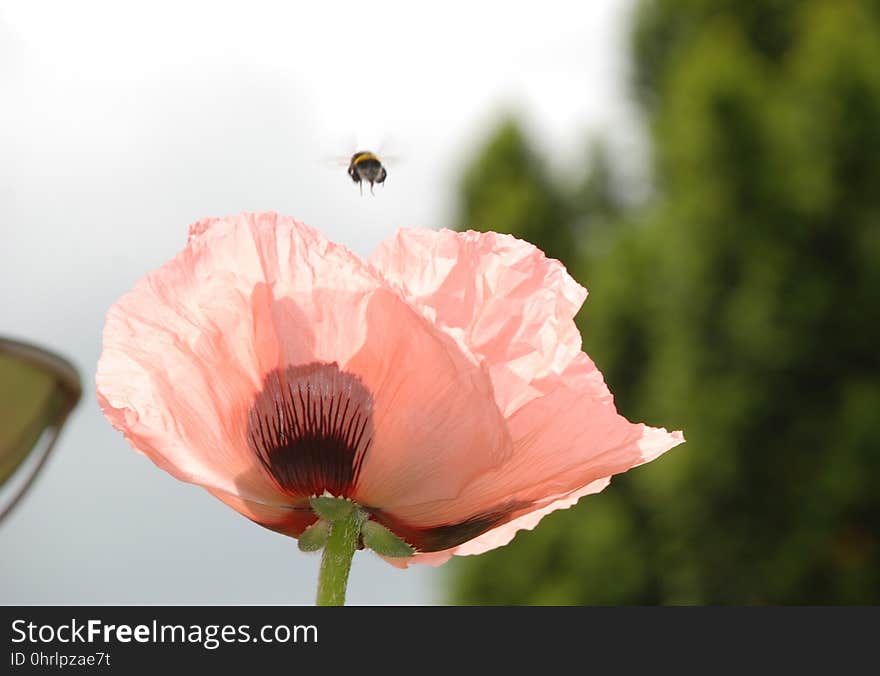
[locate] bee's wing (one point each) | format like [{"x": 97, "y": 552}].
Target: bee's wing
[
  {"x": 391, "y": 150},
  {"x": 340, "y": 148},
  {"x": 334, "y": 161},
  {"x": 390, "y": 160}
]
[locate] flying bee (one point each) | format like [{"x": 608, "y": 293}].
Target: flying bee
[{"x": 364, "y": 166}]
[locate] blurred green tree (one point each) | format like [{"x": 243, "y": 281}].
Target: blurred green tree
[
  {"x": 507, "y": 188},
  {"x": 742, "y": 304}
]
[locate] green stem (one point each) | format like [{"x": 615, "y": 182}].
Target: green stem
[{"x": 336, "y": 559}]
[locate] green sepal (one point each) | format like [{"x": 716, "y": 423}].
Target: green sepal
[
  {"x": 383, "y": 541},
  {"x": 332, "y": 509},
  {"x": 315, "y": 536}
]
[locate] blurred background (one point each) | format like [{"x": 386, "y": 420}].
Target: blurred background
[{"x": 709, "y": 169}]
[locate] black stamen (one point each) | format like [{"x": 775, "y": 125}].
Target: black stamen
[{"x": 310, "y": 427}]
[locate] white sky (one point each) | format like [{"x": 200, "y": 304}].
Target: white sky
[{"x": 121, "y": 123}]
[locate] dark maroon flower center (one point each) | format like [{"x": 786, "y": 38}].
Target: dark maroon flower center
[{"x": 311, "y": 427}]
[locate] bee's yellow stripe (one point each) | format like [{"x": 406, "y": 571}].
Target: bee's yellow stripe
[{"x": 364, "y": 157}]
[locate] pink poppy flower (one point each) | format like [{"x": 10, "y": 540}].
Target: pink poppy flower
[{"x": 441, "y": 385}]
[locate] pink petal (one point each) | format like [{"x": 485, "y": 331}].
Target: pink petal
[
  {"x": 513, "y": 309},
  {"x": 567, "y": 444},
  {"x": 502, "y": 535},
  {"x": 511, "y": 305},
  {"x": 436, "y": 426},
  {"x": 429, "y": 559},
  {"x": 565, "y": 440},
  {"x": 498, "y": 537},
  {"x": 653, "y": 443},
  {"x": 185, "y": 351}
]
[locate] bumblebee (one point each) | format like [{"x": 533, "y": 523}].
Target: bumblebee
[{"x": 364, "y": 166}]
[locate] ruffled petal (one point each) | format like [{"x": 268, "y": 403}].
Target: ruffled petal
[
  {"x": 186, "y": 351},
  {"x": 513, "y": 309},
  {"x": 513, "y": 306}
]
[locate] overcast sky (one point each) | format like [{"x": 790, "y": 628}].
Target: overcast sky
[{"x": 122, "y": 123}]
